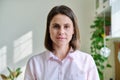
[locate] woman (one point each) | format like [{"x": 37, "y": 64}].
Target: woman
[{"x": 62, "y": 60}]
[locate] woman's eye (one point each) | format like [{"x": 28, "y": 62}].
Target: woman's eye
[
  {"x": 67, "y": 26},
  {"x": 56, "y": 26}
]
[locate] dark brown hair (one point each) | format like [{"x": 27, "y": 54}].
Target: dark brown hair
[{"x": 62, "y": 9}]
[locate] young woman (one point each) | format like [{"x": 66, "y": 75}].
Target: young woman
[{"x": 62, "y": 60}]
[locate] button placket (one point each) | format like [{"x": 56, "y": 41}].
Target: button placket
[{"x": 60, "y": 71}]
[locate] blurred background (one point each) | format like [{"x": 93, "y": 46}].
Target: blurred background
[{"x": 22, "y": 30}]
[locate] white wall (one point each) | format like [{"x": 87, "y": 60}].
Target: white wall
[
  {"x": 115, "y": 12},
  {"x": 23, "y": 24}
]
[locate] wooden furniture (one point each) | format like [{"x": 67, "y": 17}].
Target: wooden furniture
[{"x": 117, "y": 63}]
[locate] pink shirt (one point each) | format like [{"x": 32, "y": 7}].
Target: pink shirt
[{"x": 76, "y": 66}]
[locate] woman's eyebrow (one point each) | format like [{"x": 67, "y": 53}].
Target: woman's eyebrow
[{"x": 55, "y": 24}]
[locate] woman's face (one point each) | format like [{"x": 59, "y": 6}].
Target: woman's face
[{"x": 61, "y": 30}]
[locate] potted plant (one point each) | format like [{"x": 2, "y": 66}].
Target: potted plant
[
  {"x": 97, "y": 42},
  {"x": 13, "y": 74}
]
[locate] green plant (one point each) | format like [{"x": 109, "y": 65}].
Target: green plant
[
  {"x": 13, "y": 74},
  {"x": 97, "y": 42}
]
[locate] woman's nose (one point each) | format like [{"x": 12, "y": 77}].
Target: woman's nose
[{"x": 61, "y": 31}]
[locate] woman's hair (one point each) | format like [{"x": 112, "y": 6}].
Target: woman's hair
[{"x": 62, "y": 9}]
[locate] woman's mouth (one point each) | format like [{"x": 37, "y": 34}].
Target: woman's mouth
[{"x": 60, "y": 38}]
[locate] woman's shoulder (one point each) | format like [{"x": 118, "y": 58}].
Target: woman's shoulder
[
  {"x": 83, "y": 55},
  {"x": 84, "y": 58},
  {"x": 38, "y": 57}
]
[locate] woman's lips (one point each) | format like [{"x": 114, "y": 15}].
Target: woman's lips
[{"x": 61, "y": 38}]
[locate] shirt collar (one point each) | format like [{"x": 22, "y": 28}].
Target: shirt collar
[{"x": 70, "y": 55}]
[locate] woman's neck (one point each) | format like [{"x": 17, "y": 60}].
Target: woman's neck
[{"x": 61, "y": 52}]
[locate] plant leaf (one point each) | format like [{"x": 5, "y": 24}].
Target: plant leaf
[
  {"x": 108, "y": 65},
  {"x": 3, "y": 76},
  {"x": 9, "y": 70}
]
